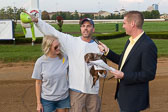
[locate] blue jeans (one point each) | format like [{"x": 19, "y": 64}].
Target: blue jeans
[{"x": 51, "y": 106}]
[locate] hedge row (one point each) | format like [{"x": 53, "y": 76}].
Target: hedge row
[
  {"x": 110, "y": 36},
  {"x": 158, "y": 35},
  {"x": 20, "y": 39},
  {"x": 153, "y": 35}
]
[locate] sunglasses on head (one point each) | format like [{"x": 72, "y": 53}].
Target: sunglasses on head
[{"x": 56, "y": 47}]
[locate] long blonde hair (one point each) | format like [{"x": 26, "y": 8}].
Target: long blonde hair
[{"x": 47, "y": 43}]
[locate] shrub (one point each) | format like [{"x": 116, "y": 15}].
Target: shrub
[
  {"x": 110, "y": 36},
  {"x": 158, "y": 35},
  {"x": 20, "y": 39}
]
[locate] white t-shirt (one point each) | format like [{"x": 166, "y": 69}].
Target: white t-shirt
[
  {"x": 79, "y": 74},
  {"x": 53, "y": 73}
]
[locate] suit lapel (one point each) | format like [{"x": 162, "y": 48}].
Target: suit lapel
[{"x": 127, "y": 43}]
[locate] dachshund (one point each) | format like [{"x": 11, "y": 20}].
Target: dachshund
[{"x": 93, "y": 57}]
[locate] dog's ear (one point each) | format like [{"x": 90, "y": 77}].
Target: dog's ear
[{"x": 87, "y": 58}]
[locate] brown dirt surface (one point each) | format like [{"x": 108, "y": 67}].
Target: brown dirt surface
[{"x": 17, "y": 89}]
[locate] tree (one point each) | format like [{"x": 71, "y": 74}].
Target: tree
[
  {"x": 76, "y": 15},
  {"x": 155, "y": 14},
  {"x": 87, "y": 16},
  {"x": 60, "y": 22},
  {"x": 45, "y": 15},
  {"x": 146, "y": 15},
  {"x": 151, "y": 15},
  {"x": 54, "y": 17},
  {"x": 11, "y": 13},
  {"x": 2, "y": 13},
  {"x": 108, "y": 17}
]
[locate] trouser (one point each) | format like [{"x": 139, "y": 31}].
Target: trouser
[
  {"x": 121, "y": 110},
  {"x": 81, "y": 102}
]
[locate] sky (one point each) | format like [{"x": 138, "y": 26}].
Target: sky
[{"x": 88, "y": 5}]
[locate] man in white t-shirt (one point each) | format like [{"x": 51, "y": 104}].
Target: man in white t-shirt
[{"x": 82, "y": 94}]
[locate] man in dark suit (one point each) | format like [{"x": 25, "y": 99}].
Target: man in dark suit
[{"x": 137, "y": 65}]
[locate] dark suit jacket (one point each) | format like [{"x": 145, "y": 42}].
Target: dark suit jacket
[{"x": 132, "y": 92}]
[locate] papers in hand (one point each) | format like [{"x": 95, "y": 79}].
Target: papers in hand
[{"x": 102, "y": 64}]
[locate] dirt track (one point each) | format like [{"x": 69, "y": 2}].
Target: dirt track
[{"x": 17, "y": 92}]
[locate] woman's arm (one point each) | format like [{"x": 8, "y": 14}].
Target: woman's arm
[{"x": 38, "y": 95}]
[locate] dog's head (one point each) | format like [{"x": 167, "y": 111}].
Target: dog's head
[{"x": 92, "y": 57}]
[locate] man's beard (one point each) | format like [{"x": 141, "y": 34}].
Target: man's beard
[{"x": 87, "y": 36}]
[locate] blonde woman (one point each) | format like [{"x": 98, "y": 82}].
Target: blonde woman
[{"x": 50, "y": 72}]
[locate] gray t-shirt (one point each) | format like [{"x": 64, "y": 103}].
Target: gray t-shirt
[{"x": 53, "y": 73}]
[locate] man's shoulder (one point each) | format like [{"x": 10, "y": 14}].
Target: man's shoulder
[
  {"x": 147, "y": 41},
  {"x": 146, "y": 37}
]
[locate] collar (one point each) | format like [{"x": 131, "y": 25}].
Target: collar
[
  {"x": 91, "y": 41},
  {"x": 133, "y": 41}
]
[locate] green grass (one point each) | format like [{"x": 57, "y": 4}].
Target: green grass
[
  {"x": 108, "y": 27},
  {"x": 18, "y": 29},
  {"x": 117, "y": 45},
  {"x": 15, "y": 53},
  {"x": 148, "y": 27},
  {"x": 162, "y": 45},
  {"x": 155, "y": 26}
]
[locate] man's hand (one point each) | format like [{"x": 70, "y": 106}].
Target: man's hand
[
  {"x": 117, "y": 74},
  {"x": 34, "y": 19},
  {"x": 103, "y": 47}
]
